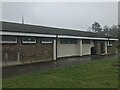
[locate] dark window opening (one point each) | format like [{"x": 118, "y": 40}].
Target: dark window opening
[
  {"x": 93, "y": 51},
  {"x": 109, "y": 43},
  {"x": 46, "y": 40},
  {"x": 85, "y": 41},
  {"x": 28, "y": 39},
  {"x": 68, "y": 41},
  {"x": 9, "y": 39}
]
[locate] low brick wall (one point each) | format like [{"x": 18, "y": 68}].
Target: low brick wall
[
  {"x": 112, "y": 49},
  {"x": 24, "y": 53}
]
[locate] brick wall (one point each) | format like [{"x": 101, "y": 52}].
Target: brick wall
[
  {"x": 112, "y": 49},
  {"x": 97, "y": 46},
  {"x": 23, "y": 53}
]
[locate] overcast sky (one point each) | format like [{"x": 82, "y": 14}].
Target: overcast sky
[{"x": 76, "y": 15}]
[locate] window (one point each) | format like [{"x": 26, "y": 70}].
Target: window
[
  {"x": 63, "y": 41},
  {"x": 28, "y": 40},
  {"x": 85, "y": 41},
  {"x": 72, "y": 41},
  {"x": 9, "y": 39},
  {"x": 109, "y": 43},
  {"x": 68, "y": 41},
  {"x": 46, "y": 40}
]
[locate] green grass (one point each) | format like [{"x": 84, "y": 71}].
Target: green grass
[{"x": 95, "y": 74}]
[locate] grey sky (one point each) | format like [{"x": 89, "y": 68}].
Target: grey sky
[{"x": 76, "y": 15}]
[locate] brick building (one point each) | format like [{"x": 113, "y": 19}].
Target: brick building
[{"x": 23, "y": 43}]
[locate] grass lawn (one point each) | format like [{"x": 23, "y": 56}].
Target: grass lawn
[{"x": 95, "y": 74}]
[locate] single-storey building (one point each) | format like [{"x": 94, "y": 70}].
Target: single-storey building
[{"x": 23, "y": 43}]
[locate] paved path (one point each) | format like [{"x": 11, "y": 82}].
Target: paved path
[{"x": 42, "y": 66}]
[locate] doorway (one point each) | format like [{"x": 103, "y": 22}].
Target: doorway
[{"x": 93, "y": 51}]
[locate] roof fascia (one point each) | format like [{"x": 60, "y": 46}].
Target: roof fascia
[{"x": 54, "y": 36}]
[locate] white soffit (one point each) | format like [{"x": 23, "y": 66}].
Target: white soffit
[
  {"x": 76, "y": 37},
  {"x": 113, "y": 39},
  {"x": 49, "y": 35},
  {"x": 26, "y": 34}
]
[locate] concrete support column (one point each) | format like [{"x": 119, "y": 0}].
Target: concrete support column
[
  {"x": 80, "y": 47},
  {"x": 105, "y": 47},
  {"x": 54, "y": 49}
]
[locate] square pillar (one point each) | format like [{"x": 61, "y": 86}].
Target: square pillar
[
  {"x": 105, "y": 47},
  {"x": 54, "y": 49},
  {"x": 80, "y": 47}
]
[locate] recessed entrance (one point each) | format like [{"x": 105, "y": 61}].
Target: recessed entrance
[{"x": 93, "y": 51}]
